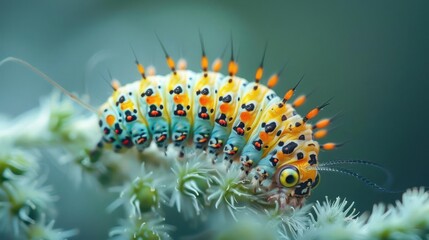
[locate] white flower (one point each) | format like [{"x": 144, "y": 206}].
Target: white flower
[
  {"x": 229, "y": 191},
  {"x": 193, "y": 176},
  {"x": 145, "y": 193},
  {"x": 146, "y": 227},
  {"x": 42, "y": 231},
  {"x": 409, "y": 219},
  {"x": 22, "y": 200}
]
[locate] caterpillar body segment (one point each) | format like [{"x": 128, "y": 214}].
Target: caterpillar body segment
[
  {"x": 251, "y": 105},
  {"x": 179, "y": 96},
  {"x": 153, "y": 105},
  {"x": 205, "y": 105},
  {"x": 228, "y": 96}
]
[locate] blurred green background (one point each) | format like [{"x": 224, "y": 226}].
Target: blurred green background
[{"x": 371, "y": 56}]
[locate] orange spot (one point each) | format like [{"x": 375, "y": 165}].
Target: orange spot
[
  {"x": 264, "y": 136},
  {"x": 224, "y": 107},
  {"x": 217, "y": 65},
  {"x": 204, "y": 115},
  {"x": 141, "y": 140},
  {"x": 129, "y": 118},
  {"x": 329, "y": 146},
  {"x": 153, "y": 113},
  {"x": 154, "y": 99},
  {"x": 312, "y": 113},
  {"x": 320, "y": 134},
  {"x": 240, "y": 131},
  {"x": 272, "y": 81},
  {"x": 258, "y": 144},
  {"x": 289, "y": 94},
  {"x": 182, "y": 98},
  {"x": 299, "y": 101},
  {"x": 258, "y": 74},
  {"x": 323, "y": 123},
  {"x": 232, "y": 68},
  {"x": 126, "y": 105},
  {"x": 202, "y": 140},
  {"x": 204, "y": 100},
  {"x": 110, "y": 119},
  {"x": 222, "y": 122},
  {"x": 245, "y": 116},
  {"x": 204, "y": 63}
]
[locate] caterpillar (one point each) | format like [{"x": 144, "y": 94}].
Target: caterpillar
[
  {"x": 231, "y": 119},
  {"x": 228, "y": 117}
]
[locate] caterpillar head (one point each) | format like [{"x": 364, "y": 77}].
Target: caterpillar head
[{"x": 294, "y": 182}]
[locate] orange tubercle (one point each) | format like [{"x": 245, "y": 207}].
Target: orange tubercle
[
  {"x": 272, "y": 81},
  {"x": 232, "y": 68},
  {"x": 259, "y": 73},
  {"x": 320, "y": 134},
  {"x": 312, "y": 113},
  {"x": 217, "y": 65},
  {"x": 323, "y": 123},
  {"x": 170, "y": 63},
  {"x": 329, "y": 146},
  {"x": 204, "y": 63},
  {"x": 299, "y": 101},
  {"x": 289, "y": 94}
]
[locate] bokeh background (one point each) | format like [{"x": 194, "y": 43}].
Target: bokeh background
[{"x": 371, "y": 56}]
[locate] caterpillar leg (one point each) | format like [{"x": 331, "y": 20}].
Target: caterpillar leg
[{"x": 257, "y": 176}]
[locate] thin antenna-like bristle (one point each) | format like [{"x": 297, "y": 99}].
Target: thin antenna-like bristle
[
  {"x": 358, "y": 177},
  {"x": 260, "y": 70},
  {"x": 300, "y": 80},
  {"x": 389, "y": 176},
  {"x": 140, "y": 67},
  {"x": 217, "y": 63},
  {"x": 49, "y": 80},
  {"x": 115, "y": 84},
  {"x": 313, "y": 113},
  {"x": 204, "y": 59},
  {"x": 272, "y": 81},
  {"x": 232, "y": 66},
  {"x": 290, "y": 92},
  {"x": 170, "y": 61},
  {"x": 232, "y": 49},
  {"x": 203, "y": 50},
  {"x": 107, "y": 81}
]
